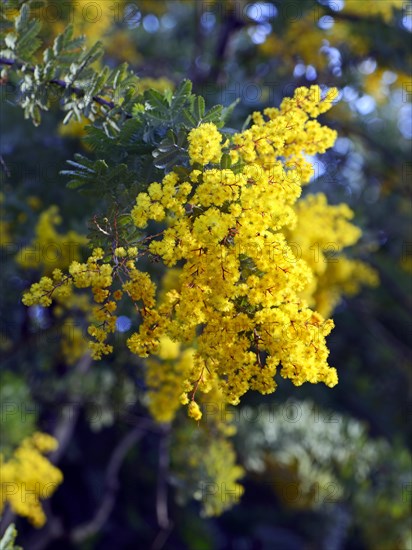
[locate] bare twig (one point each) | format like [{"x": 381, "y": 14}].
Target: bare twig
[
  {"x": 230, "y": 25},
  {"x": 105, "y": 508},
  {"x": 65, "y": 428},
  {"x": 53, "y": 530},
  {"x": 161, "y": 492}
]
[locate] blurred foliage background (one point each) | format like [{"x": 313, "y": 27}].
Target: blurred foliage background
[{"x": 327, "y": 469}]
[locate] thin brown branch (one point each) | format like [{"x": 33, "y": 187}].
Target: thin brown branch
[
  {"x": 162, "y": 513},
  {"x": 108, "y": 501},
  {"x": 231, "y": 25},
  {"x": 65, "y": 428},
  {"x": 161, "y": 493}
]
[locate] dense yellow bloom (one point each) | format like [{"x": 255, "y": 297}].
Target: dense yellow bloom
[
  {"x": 204, "y": 144},
  {"x": 241, "y": 281},
  {"x": 93, "y": 274},
  {"x": 27, "y": 477},
  {"x": 236, "y": 302}
]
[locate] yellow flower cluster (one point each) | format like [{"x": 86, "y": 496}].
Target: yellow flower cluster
[
  {"x": 170, "y": 377},
  {"x": 238, "y": 305},
  {"x": 204, "y": 462},
  {"x": 219, "y": 466},
  {"x": 321, "y": 233},
  {"x": 50, "y": 249},
  {"x": 98, "y": 274},
  {"x": 203, "y": 458},
  {"x": 288, "y": 132},
  {"x": 240, "y": 282},
  {"x": 93, "y": 274},
  {"x": 27, "y": 477},
  {"x": 165, "y": 377},
  {"x": 204, "y": 144}
]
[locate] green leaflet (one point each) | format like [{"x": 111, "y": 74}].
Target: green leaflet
[{"x": 8, "y": 539}]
